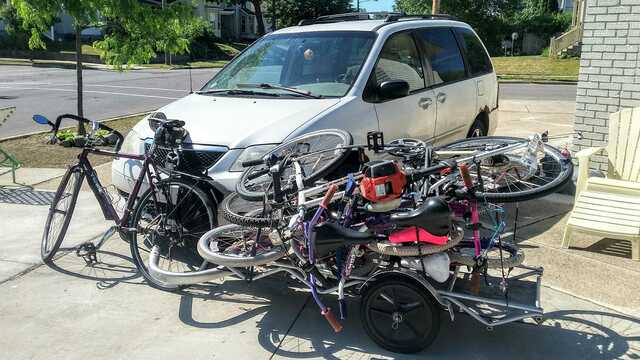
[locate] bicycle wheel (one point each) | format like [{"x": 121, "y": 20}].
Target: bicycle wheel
[
  {"x": 464, "y": 254},
  {"x": 60, "y": 212},
  {"x": 512, "y": 176},
  {"x": 399, "y": 315},
  {"x": 320, "y": 161},
  {"x": 173, "y": 215},
  {"x": 239, "y": 211},
  {"x": 237, "y": 246}
]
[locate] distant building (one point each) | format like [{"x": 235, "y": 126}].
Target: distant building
[{"x": 228, "y": 21}]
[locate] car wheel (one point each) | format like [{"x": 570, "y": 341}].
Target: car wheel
[{"x": 478, "y": 129}]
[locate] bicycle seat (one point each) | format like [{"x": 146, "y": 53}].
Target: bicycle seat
[
  {"x": 433, "y": 215},
  {"x": 330, "y": 236}
]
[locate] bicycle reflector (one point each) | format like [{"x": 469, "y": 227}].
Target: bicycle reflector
[{"x": 383, "y": 180}]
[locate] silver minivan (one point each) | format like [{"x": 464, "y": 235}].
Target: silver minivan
[{"x": 418, "y": 77}]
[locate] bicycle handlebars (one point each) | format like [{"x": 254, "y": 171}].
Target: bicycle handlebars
[{"x": 58, "y": 122}]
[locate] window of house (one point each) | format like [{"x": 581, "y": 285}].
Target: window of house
[
  {"x": 479, "y": 62},
  {"x": 243, "y": 23},
  {"x": 442, "y": 53},
  {"x": 400, "y": 60}
]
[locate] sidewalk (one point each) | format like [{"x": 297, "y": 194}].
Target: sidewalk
[{"x": 106, "y": 312}]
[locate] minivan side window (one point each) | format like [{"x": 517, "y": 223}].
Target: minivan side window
[
  {"x": 442, "y": 53},
  {"x": 399, "y": 60},
  {"x": 477, "y": 57}
]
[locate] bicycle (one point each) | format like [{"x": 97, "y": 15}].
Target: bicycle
[{"x": 171, "y": 210}]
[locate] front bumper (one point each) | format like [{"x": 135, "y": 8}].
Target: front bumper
[{"x": 125, "y": 172}]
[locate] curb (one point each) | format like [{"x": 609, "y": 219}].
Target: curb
[
  {"x": 541, "y": 82},
  {"x": 47, "y": 131}
]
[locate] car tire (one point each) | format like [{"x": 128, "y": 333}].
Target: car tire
[{"x": 478, "y": 129}]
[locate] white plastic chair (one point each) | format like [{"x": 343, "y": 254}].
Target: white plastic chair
[{"x": 610, "y": 207}]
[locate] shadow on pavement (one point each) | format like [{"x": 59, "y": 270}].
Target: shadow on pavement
[
  {"x": 565, "y": 334},
  {"x": 112, "y": 268}
]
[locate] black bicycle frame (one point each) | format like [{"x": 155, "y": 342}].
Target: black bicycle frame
[{"x": 103, "y": 199}]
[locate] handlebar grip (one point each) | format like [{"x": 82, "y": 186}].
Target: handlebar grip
[
  {"x": 329, "y": 195},
  {"x": 331, "y": 319},
  {"x": 466, "y": 177},
  {"x": 255, "y": 162}
]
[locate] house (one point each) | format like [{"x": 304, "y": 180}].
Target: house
[
  {"x": 565, "y": 5},
  {"x": 228, "y": 21},
  {"x": 232, "y": 22},
  {"x": 609, "y": 80}
]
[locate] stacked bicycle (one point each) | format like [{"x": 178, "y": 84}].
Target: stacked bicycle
[
  {"x": 414, "y": 231},
  {"x": 399, "y": 233}
]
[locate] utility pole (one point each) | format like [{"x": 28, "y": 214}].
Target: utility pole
[
  {"x": 435, "y": 7},
  {"x": 273, "y": 16},
  {"x": 166, "y": 53},
  {"x": 357, "y": 5}
]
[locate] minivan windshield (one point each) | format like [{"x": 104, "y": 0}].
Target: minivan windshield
[{"x": 305, "y": 65}]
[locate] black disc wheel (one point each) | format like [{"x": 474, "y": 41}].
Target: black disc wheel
[
  {"x": 60, "y": 212},
  {"x": 511, "y": 169},
  {"x": 399, "y": 315},
  {"x": 172, "y": 216},
  {"x": 318, "y": 153}
]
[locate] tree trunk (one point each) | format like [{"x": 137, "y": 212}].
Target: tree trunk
[
  {"x": 81, "y": 130},
  {"x": 260, "y": 21}
]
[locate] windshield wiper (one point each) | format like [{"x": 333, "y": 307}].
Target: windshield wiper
[
  {"x": 236, "y": 92},
  {"x": 285, "y": 88}
]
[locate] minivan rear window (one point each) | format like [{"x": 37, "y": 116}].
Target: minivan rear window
[
  {"x": 477, "y": 57},
  {"x": 442, "y": 53}
]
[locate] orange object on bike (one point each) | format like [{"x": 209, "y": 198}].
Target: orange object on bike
[
  {"x": 464, "y": 171},
  {"x": 383, "y": 180}
]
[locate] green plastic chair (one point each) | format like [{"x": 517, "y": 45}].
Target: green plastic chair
[{"x": 7, "y": 160}]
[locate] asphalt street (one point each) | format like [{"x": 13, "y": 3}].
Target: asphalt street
[{"x": 52, "y": 91}]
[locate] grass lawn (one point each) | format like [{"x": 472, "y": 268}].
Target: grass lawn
[
  {"x": 33, "y": 151},
  {"x": 193, "y": 65},
  {"x": 536, "y": 68}
]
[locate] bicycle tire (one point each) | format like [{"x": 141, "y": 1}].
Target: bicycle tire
[
  {"x": 414, "y": 330},
  {"x": 232, "y": 215},
  {"x": 188, "y": 244},
  {"x": 342, "y": 138},
  {"x": 208, "y": 247},
  {"x": 47, "y": 253},
  {"x": 463, "y": 254},
  {"x": 565, "y": 174}
]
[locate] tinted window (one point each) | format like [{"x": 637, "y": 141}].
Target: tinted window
[
  {"x": 399, "y": 60},
  {"x": 477, "y": 57},
  {"x": 442, "y": 53}
]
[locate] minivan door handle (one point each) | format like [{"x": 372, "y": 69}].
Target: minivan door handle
[
  {"x": 425, "y": 102},
  {"x": 442, "y": 97}
]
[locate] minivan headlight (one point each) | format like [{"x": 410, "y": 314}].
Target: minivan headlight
[{"x": 251, "y": 153}]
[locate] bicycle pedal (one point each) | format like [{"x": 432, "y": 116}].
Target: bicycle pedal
[{"x": 88, "y": 252}]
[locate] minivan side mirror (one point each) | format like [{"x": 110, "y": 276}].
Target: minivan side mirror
[{"x": 393, "y": 89}]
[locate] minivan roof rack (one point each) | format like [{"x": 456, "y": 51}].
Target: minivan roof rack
[
  {"x": 353, "y": 16},
  {"x": 381, "y": 15}
]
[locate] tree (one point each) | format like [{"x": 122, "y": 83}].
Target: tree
[
  {"x": 487, "y": 17},
  {"x": 257, "y": 7},
  {"x": 290, "y": 12},
  {"x": 134, "y": 32}
]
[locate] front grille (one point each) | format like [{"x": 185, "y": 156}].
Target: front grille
[{"x": 194, "y": 159}]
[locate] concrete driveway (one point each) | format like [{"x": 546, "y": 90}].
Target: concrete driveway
[{"x": 73, "y": 311}]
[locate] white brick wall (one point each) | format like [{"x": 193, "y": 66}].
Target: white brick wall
[{"x": 609, "y": 77}]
